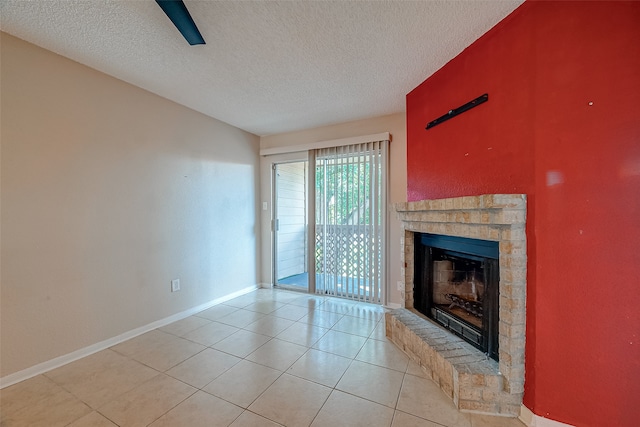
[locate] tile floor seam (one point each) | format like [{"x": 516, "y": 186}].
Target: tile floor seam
[
  {"x": 182, "y": 361},
  {"x": 261, "y": 394},
  {"x": 341, "y": 376},
  {"x": 228, "y": 401},
  {"x": 173, "y": 407},
  {"x": 104, "y": 415},
  {"x": 367, "y": 399},
  {"x": 422, "y": 418}
]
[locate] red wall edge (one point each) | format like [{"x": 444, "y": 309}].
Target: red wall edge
[{"x": 562, "y": 125}]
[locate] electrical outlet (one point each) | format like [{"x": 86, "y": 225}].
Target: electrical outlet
[
  {"x": 175, "y": 285},
  {"x": 400, "y": 286}
]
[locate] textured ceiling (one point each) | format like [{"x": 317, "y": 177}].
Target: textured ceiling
[{"x": 268, "y": 66}]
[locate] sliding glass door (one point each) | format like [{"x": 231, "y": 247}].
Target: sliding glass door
[
  {"x": 329, "y": 221},
  {"x": 350, "y": 221}
]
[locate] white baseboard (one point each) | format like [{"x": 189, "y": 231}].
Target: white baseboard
[
  {"x": 393, "y": 305},
  {"x": 43, "y": 367},
  {"x": 532, "y": 420}
]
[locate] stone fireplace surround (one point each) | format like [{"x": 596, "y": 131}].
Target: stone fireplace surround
[{"x": 474, "y": 382}]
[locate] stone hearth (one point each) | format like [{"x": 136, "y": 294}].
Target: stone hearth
[{"x": 474, "y": 382}]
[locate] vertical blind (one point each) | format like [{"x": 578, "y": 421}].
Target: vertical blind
[{"x": 350, "y": 220}]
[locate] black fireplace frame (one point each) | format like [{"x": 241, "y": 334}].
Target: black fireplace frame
[{"x": 485, "y": 251}]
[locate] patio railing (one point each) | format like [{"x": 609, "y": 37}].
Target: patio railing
[{"x": 347, "y": 260}]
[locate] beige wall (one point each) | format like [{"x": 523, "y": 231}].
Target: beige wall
[
  {"x": 108, "y": 193},
  {"x": 394, "y": 124}
]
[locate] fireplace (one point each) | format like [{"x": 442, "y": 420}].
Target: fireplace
[
  {"x": 477, "y": 380},
  {"x": 456, "y": 283}
]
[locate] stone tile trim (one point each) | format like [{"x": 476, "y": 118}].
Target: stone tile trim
[{"x": 495, "y": 217}]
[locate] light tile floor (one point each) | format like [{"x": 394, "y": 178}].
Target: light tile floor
[{"x": 268, "y": 358}]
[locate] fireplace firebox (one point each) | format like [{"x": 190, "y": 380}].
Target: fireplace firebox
[{"x": 456, "y": 283}]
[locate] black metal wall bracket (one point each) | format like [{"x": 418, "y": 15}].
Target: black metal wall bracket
[{"x": 452, "y": 113}]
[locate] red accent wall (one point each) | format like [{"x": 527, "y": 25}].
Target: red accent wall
[{"x": 562, "y": 125}]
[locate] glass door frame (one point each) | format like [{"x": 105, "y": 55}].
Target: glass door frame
[{"x": 274, "y": 160}]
